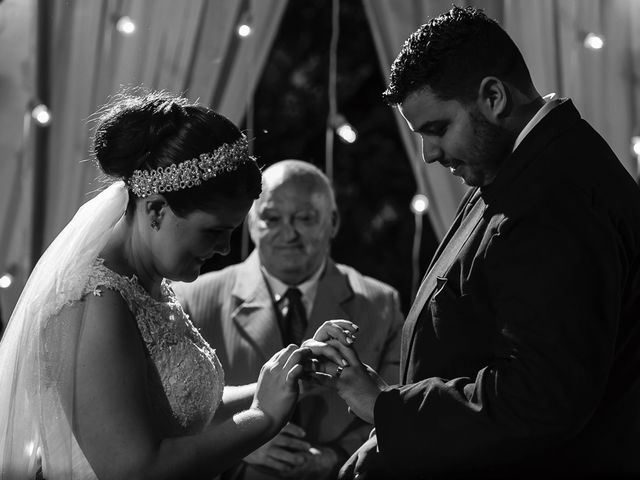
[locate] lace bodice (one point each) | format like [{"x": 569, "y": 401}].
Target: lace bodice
[{"x": 186, "y": 378}]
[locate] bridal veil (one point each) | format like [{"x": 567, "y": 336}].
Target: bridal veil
[{"x": 38, "y": 349}]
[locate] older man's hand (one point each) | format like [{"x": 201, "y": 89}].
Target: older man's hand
[
  {"x": 283, "y": 453},
  {"x": 365, "y": 463},
  {"x": 287, "y": 455},
  {"x": 320, "y": 463}
]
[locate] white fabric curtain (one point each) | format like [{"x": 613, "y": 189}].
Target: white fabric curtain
[
  {"x": 603, "y": 84},
  {"x": 17, "y": 53},
  {"x": 191, "y": 46},
  {"x": 226, "y": 73},
  {"x": 391, "y": 22},
  {"x": 188, "y": 46}
]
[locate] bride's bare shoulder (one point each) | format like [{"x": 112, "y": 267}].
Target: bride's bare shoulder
[
  {"x": 101, "y": 322},
  {"x": 110, "y": 408}
]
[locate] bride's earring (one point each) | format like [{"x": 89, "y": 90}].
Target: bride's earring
[{"x": 155, "y": 225}]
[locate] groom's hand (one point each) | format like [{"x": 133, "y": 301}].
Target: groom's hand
[{"x": 358, "y": 384}]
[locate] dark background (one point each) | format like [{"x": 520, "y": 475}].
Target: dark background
[{"x": 373, "y": 179}]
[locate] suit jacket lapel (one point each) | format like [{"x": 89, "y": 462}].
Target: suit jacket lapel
[
  {"x": 254, "y": 313},
  {"x": 452, "y": 229},
  {"x": 419, "y": 300},
  {"x": 447, "y": 253}
]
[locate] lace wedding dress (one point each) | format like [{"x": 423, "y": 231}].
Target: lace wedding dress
[
  {"x": 38, "y": 351},
  {"x": 186, "y": 378},
  {"x": 189, "y": 374}
]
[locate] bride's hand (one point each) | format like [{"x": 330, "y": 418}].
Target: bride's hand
[
  {"x": 342, "y": 330},
  {"x": 277, "y": 387}
]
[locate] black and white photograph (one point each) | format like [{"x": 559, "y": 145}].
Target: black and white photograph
[{"x": 319, "y": 239}]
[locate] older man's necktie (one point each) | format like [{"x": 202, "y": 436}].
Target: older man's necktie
[
  {"x": 294, "y": 327},
  {"x": 295, "y": 317}
]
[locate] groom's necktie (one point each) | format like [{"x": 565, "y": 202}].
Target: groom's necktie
[{"x": 295, "y": 317}]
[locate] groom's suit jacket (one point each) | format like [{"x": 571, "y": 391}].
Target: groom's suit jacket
[
  {"x": 234, "y": 311},
  {"x": 521, "y": 354}
]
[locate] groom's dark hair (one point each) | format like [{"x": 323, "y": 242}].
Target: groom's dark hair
[{"x": 451, "y": 54}]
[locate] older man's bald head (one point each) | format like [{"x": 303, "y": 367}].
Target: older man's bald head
[
  {"x": 300, "y": 172},
  {"x": 294, "y": 220}
]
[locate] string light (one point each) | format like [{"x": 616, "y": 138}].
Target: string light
[
  {"x": 332, "y": 116},
  {"x": 125, "y": 25},
  {"x": 419, "y": 204},
  {"x": 41, "y": 114},
  {"x": 347, "y": 133},
  {"x": 6, "y": 280},
  {"x": 593, "y": 41},
  {"x": 635, "y": 146},
  {"x": 635, "y": 150},
  {"x": 344, "y": 129},
  {"x": 244, "y": 30}
]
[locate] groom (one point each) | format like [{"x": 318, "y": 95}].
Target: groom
[{"x": 521, "y": 354}]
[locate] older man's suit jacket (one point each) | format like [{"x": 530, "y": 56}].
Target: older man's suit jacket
[
  {"x": 521, "y": 354},
  {"x": 234, "y": 311}
]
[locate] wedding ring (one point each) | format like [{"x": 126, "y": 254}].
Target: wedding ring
[{"x": 338, "y": 372}]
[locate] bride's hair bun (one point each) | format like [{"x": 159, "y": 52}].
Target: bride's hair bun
[{"x": 133, "y": 131}]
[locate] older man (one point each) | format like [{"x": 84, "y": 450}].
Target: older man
[{"x": 281, "y": 294}]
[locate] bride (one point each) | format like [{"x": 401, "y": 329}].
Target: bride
[{"x": 102, "y": 373}]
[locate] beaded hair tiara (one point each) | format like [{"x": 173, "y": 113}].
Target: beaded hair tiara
[{"x": 190, "y": 173}]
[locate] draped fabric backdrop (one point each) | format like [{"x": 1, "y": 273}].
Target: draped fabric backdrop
[
  {"x": 391, "y": 23},
  {"x": 191, "y": 46},
  {"x": 17, "y": 52}
]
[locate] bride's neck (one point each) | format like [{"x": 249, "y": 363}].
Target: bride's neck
[{"x": 128, "y": 254}]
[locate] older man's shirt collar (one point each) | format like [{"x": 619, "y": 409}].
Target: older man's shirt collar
[{"x": 308, "y": 288}]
